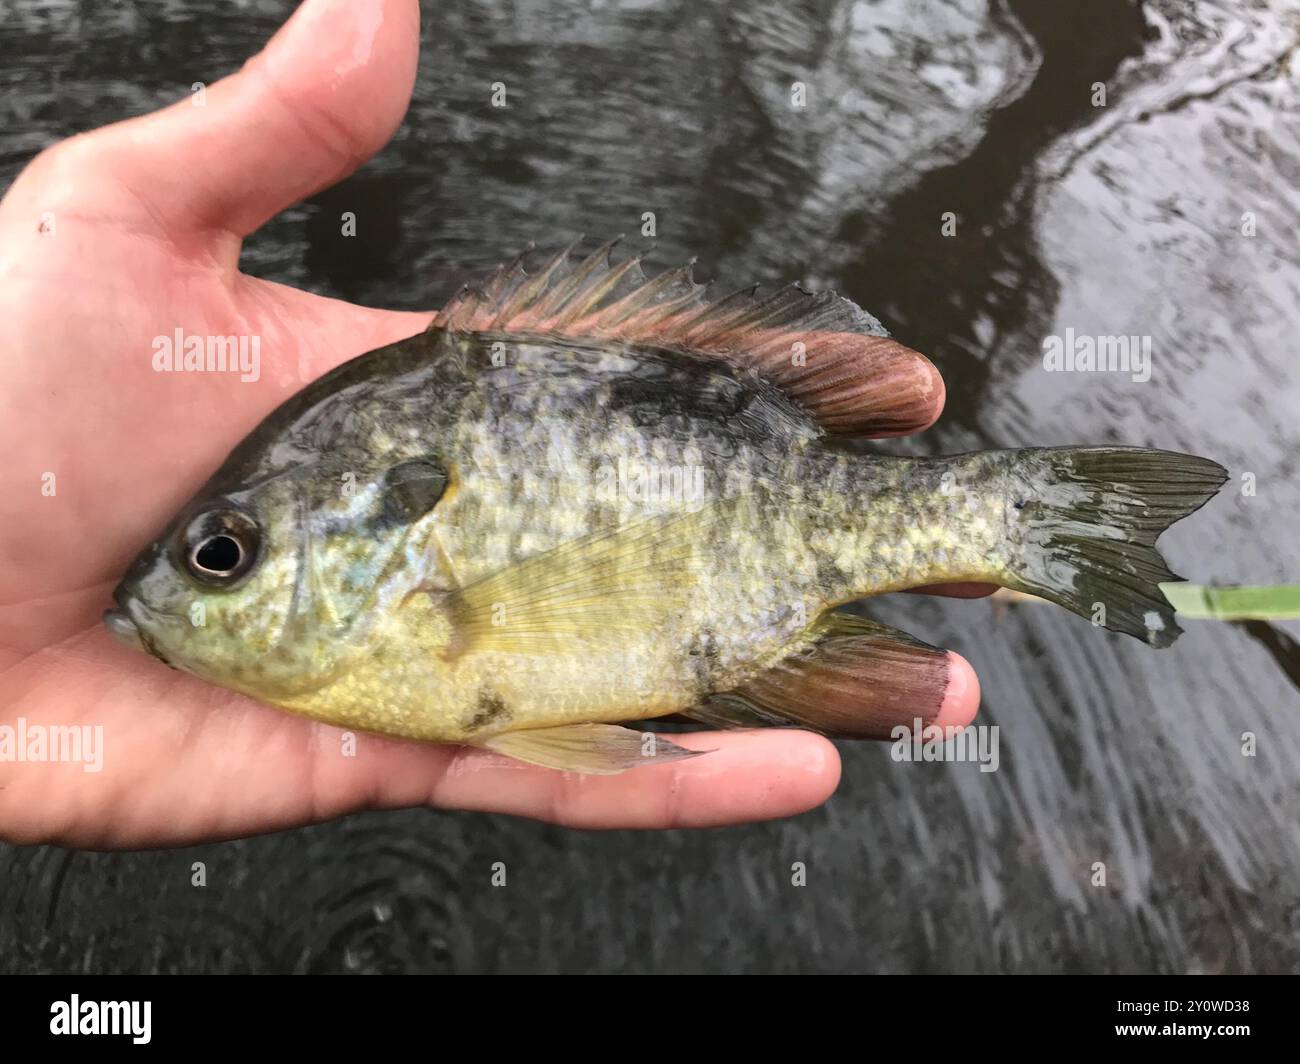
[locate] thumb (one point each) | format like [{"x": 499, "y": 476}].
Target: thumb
[{"x": 323, "y": 96}]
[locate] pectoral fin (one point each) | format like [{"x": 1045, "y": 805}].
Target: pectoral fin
[
  {"x": 599, "y": 590},
  {"x": 594, "y": 749},
  {"x": 855, "y": 680}
]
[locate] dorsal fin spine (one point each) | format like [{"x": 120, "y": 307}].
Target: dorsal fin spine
[{"x": 832, "y": 358}]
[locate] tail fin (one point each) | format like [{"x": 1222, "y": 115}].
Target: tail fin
[{"x": 1091, "y": 519}]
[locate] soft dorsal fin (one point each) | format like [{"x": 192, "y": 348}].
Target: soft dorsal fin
[{"x": 835, "y": 360}]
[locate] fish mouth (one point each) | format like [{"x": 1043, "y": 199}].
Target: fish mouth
[{"x": 126, "y": 631}]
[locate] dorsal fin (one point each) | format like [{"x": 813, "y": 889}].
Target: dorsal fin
[{"x": 824, "y": 351}]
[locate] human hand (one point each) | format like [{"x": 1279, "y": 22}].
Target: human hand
[{"x": 130, "y": 232}]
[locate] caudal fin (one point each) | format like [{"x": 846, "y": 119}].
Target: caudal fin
[{"x": 1090, "y": 519}]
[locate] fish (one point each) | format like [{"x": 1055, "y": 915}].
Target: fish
[{"x": 584, "y": 498}]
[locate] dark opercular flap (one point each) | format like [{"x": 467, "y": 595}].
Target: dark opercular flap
[{"x": 410, "y": 490}]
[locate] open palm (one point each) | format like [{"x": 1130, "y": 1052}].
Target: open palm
[{"x": 127, "y": 233}]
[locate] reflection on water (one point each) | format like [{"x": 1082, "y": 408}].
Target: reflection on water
[{"x": 1123, "y": 219}]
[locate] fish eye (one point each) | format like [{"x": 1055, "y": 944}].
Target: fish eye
[
  {"x": 220, "y": 546},
  {"x": 219, "y": 555}
]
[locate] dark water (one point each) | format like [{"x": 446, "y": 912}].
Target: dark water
[{"x": 1120, "y": 219}]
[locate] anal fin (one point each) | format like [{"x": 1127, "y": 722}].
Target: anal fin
[
  {"x": 856, "y": 679},
  {"x": 594, "y": 749}
]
